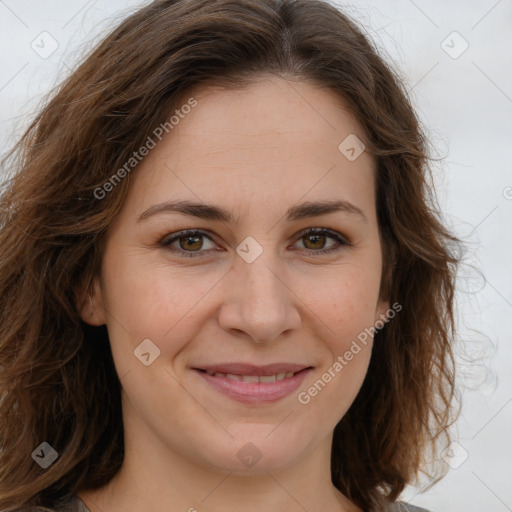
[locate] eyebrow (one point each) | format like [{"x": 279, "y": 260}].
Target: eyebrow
[{"x": 213, "y": 212}]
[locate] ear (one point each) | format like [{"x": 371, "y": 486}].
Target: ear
[
  {"x": 382, "y": 309},
  {"x": 90, "y": 303},
  {"x": 381, "y": 313}
]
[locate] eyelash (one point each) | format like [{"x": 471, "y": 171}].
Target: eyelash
[{"x": 341, "y": 241}]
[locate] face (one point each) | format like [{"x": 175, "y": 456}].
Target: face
[{"x": 240, "y": 286}]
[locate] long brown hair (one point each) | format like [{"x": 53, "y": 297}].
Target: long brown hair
[{"x": 58, "y": 381}]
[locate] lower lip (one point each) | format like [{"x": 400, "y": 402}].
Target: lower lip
[{"x": 255, "y": 392}]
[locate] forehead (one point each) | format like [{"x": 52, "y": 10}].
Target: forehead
[
  {"x": 268, "y": 142},
  {"x": 270, "y": 114}
]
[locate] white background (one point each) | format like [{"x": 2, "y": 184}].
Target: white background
[{"x": 466, "y": 106}]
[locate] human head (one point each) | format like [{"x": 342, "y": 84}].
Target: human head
[{"x": 125, "y": 89}]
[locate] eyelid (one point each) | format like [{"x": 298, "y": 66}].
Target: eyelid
[
  {"x": 340, "y": 239},
  {"x": 167, "y": 240},
  {"x": 325, "y": 231}
]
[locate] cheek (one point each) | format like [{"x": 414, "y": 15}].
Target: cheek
[
  {"x": 345, "y": 312},
  {"x": 150, "y": 300},
  {"x": 344, "y": 308},
  {"x": 343, "y": 301}
]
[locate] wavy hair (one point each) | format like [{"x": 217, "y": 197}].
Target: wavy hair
[{"x": 58, "y": 382}]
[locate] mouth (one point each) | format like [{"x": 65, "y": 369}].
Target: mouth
[
  {"x": 253, "y": 378},
  {"x": 254, "y": 384}
]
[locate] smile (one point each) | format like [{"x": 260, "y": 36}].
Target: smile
[
  {"x": 254, "y": 385},
  {"x": 253, "y": 378}
]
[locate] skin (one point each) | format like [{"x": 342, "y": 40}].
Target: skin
[{"x": 256, "y": 151}]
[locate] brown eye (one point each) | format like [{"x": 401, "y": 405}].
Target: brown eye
[
  {"x": 189, "y": 243},
  {"x": 315, "y": 239}
]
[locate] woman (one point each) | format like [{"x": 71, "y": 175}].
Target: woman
[{"x": 222, "y": 274}]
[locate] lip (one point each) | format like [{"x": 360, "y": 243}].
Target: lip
[
  {"x": 250, "y": 369},
  {"x": 255, "y": 392}
]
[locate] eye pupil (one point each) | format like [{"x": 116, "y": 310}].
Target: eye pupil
[
  {"x": 198, "y": 242},
  {"x": 316, "y": 239}
]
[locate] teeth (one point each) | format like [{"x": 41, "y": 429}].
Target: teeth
[
  {"x": 249, "y": 378},
  {"x": 253, "y": 378}
]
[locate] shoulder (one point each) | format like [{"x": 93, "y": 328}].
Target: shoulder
[
  {"x": 71, "y": 504},
  {"x": 405, "y": 507},
  {"x": 65, "y": 504},
  {"x": 33, "y": 508}
]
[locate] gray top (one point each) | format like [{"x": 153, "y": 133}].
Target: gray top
[
  {"x": 75, "y": 504},
  {"x": 403, "y": 507}
]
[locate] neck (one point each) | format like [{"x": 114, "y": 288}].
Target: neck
[{"x": 151, "y": 478}]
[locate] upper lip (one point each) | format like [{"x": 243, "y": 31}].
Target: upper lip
[{"x": 250, "y": 369}]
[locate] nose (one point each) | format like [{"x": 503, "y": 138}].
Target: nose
[{"x": 258, "y": 301}]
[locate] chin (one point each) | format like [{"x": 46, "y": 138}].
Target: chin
[{"x": 257, "y": 449}]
